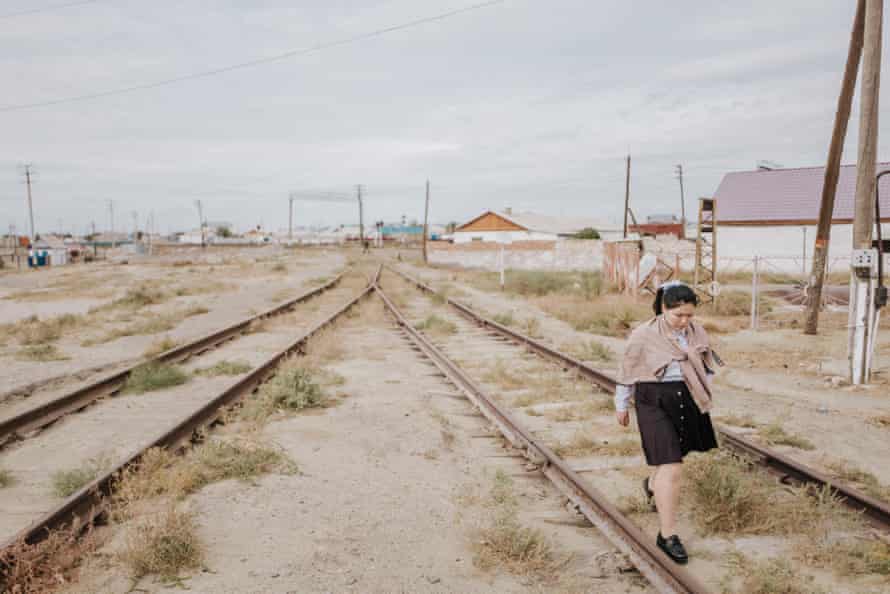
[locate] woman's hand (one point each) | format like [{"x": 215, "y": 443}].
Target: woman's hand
[{"x": 623, "y": 417}]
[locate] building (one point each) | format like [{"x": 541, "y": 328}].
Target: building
[
  {"x": 491, "y": 226},
  {"x": 660, "y": 225},
  {"x": 773, "y": 213}
]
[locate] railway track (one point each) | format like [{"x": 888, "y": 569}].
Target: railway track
[
  {"x": 659, "y": 570},
  {"x": 29, "y": 421},
  {"x": 786, "y": 468},
  {"x": 88, "y": 504}
]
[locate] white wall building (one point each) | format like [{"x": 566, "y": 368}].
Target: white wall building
[{"x": 773, "y": 214}]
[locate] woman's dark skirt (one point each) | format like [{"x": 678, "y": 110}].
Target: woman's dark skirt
[{"x": 671, "y": 424}]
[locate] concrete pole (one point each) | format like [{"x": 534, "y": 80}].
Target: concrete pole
[
  {"x": 426, "y": 218},
  {"x": 862, "y": 279},
  {"x": 754, "y": 291}
]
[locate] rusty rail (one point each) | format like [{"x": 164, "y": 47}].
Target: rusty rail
[
  {"x": 40, "y": 416},
  {"x": 664, "y": 574},
  {"x": 786, "y": 468},
  {"x": 85, "y": 506}
]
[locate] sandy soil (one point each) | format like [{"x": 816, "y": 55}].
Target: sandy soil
[
  {"x": 109, "y": 430},
  {"x": 388, "y": 498},
  {"x": 247, "y": 286}
]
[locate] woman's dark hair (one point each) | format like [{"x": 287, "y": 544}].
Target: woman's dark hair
[{"x": 672, "y": 296}]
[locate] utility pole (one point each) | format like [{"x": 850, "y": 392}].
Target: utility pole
[
  {"x": 863, "y": 313},
  {"x": 30, "y": 203},
  {"x": 290, "y": 216},
  {"x": 111, "y": 221},
  {"x": 201, "y": 220},
  {"x": 682, "y": 200},
  {"x": 361, "y": 217},
  {"x": 426, "y": 216},
  {"x": 626, "y": 195},
  {"x": 832, "y": 169},
  {"x": 135, "y": 224}
]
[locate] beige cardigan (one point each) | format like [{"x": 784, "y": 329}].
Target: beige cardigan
[{"x": 652, "y": 347}]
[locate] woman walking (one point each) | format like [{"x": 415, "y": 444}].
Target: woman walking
[{"x": 667, "y": 369}]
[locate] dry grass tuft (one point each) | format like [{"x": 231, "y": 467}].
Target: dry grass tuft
[
  {"x": 737, "y": 303},
  {"x": 610, "y": 316},
  {"x": 580, "y": 412},
  {"x": 195, "y": 310},
  {"x": 292, "y": 389},
  {"x": 161, "y": 473},
  {"x": 41, "y": 352},
  {"x": 586, "y": 444},
  {"x": 775, "y": 434},
  {"x": 140, "y": 296},
  {"x": 279, "y": 267},
  {"x": 589, "y": 351},
  {"x": 880, "y": 420},
  {"x": 160, "y": 346},
  {"x": 846, "y": 555},
  {"x": 34, "y": 331},
  {"x": 746, "y": 421},
  {"x": 633, "y": 504},
  {"x": 504, "y": 542},
  {"x": 43, "y": 567},
  {"x": 6, "y": 478},
  {"x": 531, "y": 327},
  {"x": 730, "y": 498},
  {"x": 866, "y": 481},
  {"x": 436, "y": 326},
  {"x": 67, "y": 482},
  {"x": 503, "y": 377},
  {"x": 154, "y": 376},
  {"x": 225, "y": 368},
  {"x": 164, "y": 544},
  {"x": 504, "y": 319},
  {"x": 772, "y": 576}
]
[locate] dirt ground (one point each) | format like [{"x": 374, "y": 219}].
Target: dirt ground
[
  {"x": 389, "y": 495},
  {"x": 230, "y": 284}
]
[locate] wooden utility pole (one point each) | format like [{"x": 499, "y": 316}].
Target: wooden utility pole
[
  {"x": 832, "y": 170},
  {"x": 626, "y": 195},
  {"x": 862, "y": 311},
  {"x": 426, "y": 218},
  {"x": 682, "y": 200},
  {"x": 30, "y": 203}
]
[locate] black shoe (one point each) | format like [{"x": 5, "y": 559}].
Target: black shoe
[
  {"x": 673, "y": 548},
  {"x": 650, "y": 495}
]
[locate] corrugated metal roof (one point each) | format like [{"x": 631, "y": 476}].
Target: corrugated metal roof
[{"x": 789, "y": 195}]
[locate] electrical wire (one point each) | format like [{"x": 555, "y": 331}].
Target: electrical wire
[{"x": 255, "y": 62}]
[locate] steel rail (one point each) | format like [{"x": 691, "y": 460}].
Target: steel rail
[
  {"x": 662, "y": 573},
  {"x": 87, "y": 504},
  {"x": 788, "y": 469},
  {"x": 19, "y": 426}
]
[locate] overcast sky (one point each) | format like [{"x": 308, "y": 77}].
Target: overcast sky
[{"x": 525, "y": 103}]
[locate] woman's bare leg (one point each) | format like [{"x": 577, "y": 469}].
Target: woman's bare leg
[{"x": 666, "y": 485}]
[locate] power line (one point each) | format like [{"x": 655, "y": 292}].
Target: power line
[
  {"x": 251, "y": 63},
  {"x": 30, "y": 11}
]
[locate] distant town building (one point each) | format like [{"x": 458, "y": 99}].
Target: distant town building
[{"x": 506, "y": 226}]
